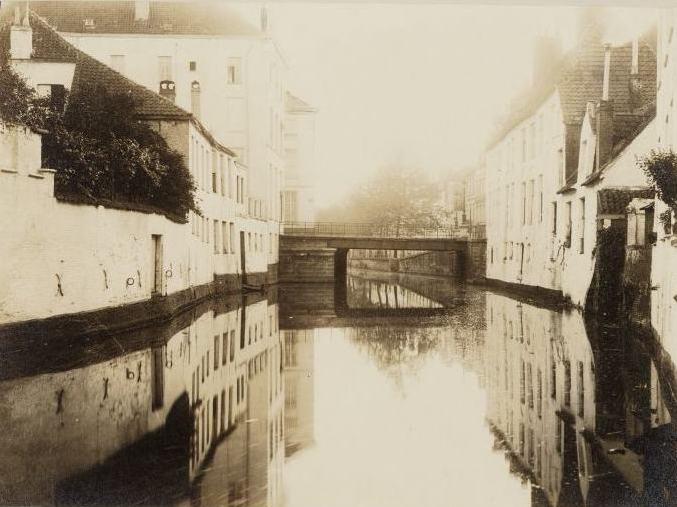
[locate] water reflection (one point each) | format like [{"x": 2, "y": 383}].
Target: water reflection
[
  {"x": 579, "y": 408},
  {"x": 250, "y": 403},
  {"x": 197, "y": 418},
  {"x": 373, "y": 293}
]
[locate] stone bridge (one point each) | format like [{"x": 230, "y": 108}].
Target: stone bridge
[{"x": 319, "y": 253}]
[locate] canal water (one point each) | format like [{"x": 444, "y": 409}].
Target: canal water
[{"x": 398, "y": 391}]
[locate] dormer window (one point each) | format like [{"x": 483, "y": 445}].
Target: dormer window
[
  {"x": 192, "y": 66},
  {"x": 89, "y": 24}
]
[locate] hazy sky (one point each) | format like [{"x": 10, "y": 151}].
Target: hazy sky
[{"x": 418, "y": 84}]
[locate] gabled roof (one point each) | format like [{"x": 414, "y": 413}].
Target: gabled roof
[
  {"x": 579, "y": 80},
  {"x": 117, "y": 17},
  {"x": 614, "y": 201},
  {"x": 49, "y": 45}
]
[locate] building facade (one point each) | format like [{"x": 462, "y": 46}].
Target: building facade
[
  {"x": 298, "y": 203},
  {"x": 664, "y": 254},
  {"x": 474, "y": 200},
  {"x": 547, "y": 150},
  {"x": 136, "y": 255},
  {"x": 241, "y": 101}
]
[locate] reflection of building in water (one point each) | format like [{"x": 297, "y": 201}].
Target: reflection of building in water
[
  {"x": 299, "y": 389},
  {"x": 572, "y": 422},
  {"x": 245, "y": 396},
  {"x": 205, "y": 408},
  {"x": 368, "y": 293},
  {"x": 60, "y": 424}
]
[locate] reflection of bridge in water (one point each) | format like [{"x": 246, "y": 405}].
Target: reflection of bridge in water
[{"x": 304, "y": 306}]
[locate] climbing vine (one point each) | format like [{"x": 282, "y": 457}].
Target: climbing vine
[
  {"x": 101, "y": 153},
  {"x": 660, "y": 167}
]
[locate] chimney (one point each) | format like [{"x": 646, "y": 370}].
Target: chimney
[
  {"x": 168, "y": 90},
  {"x": 635, "y": 82},
  {"x": 604, "y": 117},
  {"x": 21, "y": 36},
  {"x": 141, "y": 10},
  {"x": 607, "y": 71}
]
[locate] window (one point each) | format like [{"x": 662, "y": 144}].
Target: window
[
  {"x": 217, "y": 339},
  {"x": 553, "y": 378},
  {"x": 224, "y": 348},
  {"x": 224, "y": 237},
  {"x": 223, "y": 170},
  {"x": 581, "y": 390},
  {"x": 567, "y": 225},
  {"x": 530, "y": 196},
  {"x": 567, "y": 383},
  {"x": 530, "y": 387},
  {"x": 192, "y": 65},
  {"x": 581, "y": 225},
  {"x": 242, "y": 340},
  {"x": 165, "y": 68},
  {"x": 232, "y": 345},
  {"x": 232, "y": 237},
  {"x": 524, "y": 202},
  {"x": 554, "y": 218},
  {"x": 560, "y": 163},
  {"x": 539, "y": 393},
  {"x": 234, "y": 71},
  {"x": 216, "y": 237},
  {"x": 157, "y": 375},
  {"x": 117, "y": 63}
]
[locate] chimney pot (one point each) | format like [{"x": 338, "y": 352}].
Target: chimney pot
[
  {"x": 21, "y": 37},
  {"x": 635, "y": 56},
  {"x": 607, "y": 71},
  {"x": 168, "y": 90},
  {"x": 141, "y": 10}
]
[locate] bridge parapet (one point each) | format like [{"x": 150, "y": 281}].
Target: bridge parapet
[{"x": 368, "y": 230}]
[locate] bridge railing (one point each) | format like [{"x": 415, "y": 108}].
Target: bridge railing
[{"x": 367, "y": 230}]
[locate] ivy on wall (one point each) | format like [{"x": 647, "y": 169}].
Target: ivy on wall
[
  {"x": 100, "y": 151},
  {"x": 660, "y": 167}
]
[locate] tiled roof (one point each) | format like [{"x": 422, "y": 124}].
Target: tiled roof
[
  {"x": 48, "y": 44},
  {"x": 614, "y": 201},
  {"x": 179, "y": 17},
  {"x": 580, "y": 78}
]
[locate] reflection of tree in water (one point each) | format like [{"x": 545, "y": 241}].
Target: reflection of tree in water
[
  {"x": 397, "y": 351},
  {"x": 372, "y": 293}
]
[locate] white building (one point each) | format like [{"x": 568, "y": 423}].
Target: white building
[
  {"x": 228, "y": 73},
  {"x": 664, "y": 255},
  {"x": 535, "y": 159},
  {"x": 298, "y": 203},
  {"x": 98, "y": 256},
  {"x": 614, "y": 132}
]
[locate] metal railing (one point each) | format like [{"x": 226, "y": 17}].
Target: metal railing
[{"x": 367, "y": 230}]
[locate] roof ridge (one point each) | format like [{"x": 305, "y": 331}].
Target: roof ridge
[{"x": 81, "y": 55}]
